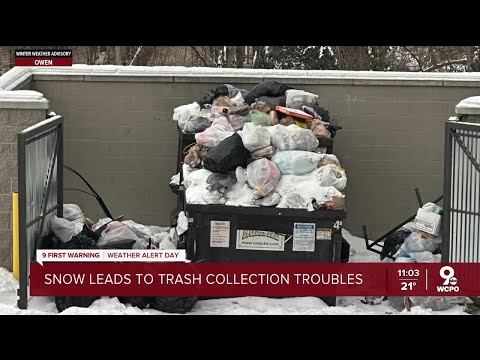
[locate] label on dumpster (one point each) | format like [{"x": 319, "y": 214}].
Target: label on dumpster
[
  {"x": 304, "y": 237},
  {"x": 324, "y": 234},
  {"x": 220, "y": 234},
  {"x": 260, "y": 240}
]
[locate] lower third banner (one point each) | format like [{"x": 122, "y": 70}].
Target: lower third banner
[{"x": 254, "y": 279}]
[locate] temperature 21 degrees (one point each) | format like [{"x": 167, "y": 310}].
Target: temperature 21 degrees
[
  {"x": 408, "y": 285},
  {"x": 408, "y": 272}
]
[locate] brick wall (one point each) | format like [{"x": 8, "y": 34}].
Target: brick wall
[
  {"x": 12, "y": 121},
  {"x": 5, "y": 59}
]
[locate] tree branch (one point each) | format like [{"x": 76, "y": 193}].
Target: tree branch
[
  {"x": 415, "y": 57},
  {"x": 202, "y": 59},
  {"x": 446, "y": 63}
]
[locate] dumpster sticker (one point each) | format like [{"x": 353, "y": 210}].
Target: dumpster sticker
[
  {"x": 260, "y": 240},
  {"x": 220, "y": 234},
  {"x": 324, "y": 234},
  {"x": 303, "y": 237}
]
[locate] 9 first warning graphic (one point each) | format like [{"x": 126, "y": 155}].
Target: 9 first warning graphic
[{"x": 43, "y": 57}]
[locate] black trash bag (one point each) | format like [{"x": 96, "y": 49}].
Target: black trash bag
[
  {"x": 138, "y": 301},
  {"x": 393, "y": 242},
  {"x": 196, "y": 124},
  {"x": 268, "y": 88},
  {"x": 208, "y": 98},
  {"x": 227, "y": 155},
  {"x": 86, "y": 239},
  {"x": 324, "y": 114},
  {"x": 173, "y": 304},
  {"x": 64, "y": 302},
  {"x": 345, "y": 251}
]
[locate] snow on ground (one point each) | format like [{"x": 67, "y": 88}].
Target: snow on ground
[{"x": 249, "y": 305}]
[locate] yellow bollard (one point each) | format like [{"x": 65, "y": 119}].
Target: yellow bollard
[{"x": 15, "y": 238}]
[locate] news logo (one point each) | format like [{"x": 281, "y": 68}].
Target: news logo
[
  {"x": 450, "y": 284},
  {"x": 43, "y": 58}
]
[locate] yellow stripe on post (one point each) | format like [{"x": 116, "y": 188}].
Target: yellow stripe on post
[{"x": 15, "y": 237}]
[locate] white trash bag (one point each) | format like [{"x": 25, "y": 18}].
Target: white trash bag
[
  {"x": 215, "y": 134},
  {"x": 332, "y": 175},
  {"x": 117, "y": 236},
  {"x": 292, "y": 137},
  {"x": 263, "y": 176},
  {"x": 72, "y": 212},
  {"x": 295, "y": 99},
  {"x": 296, "y": 162},
  {"x": 182, "y": 113},
  {"x": 254, "y": 136},
  {"x": 65, "y": 229}
]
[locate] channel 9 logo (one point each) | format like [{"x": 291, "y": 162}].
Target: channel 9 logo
[{"x": 450, "y": 284}]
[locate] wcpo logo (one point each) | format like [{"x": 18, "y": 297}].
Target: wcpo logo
[{"x": 450, "y": 283}]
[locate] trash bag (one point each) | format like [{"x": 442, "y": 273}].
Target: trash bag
[
  {"x": 263, "y": 176},
  {"x": 265, "y": 152},
  {"x": 296, "y": 162},
  {"x": 259, "y": 118},
  {"x": 268, "y": 88},
  {"x": 72, "y": 212},
  {"x": 181, "y": 114},
  {"x": 318, "y": 129},
  {"x": 211, "y": 95},
  {"x": 292, "y": 137},
  {"x": 328, "y": 159},
  {"x": 271, "y": 199},
  {"x": 254, "y": 136},
  {"x": 273, "y": 102},
  {"x": 173, "y": 304},
  {"x": 224, "y": 101},
  {"x": 216, "y": 133},
  {"x": 137, "y": 301},
  {"x": 262, "y": 106},
  {"x": 233, "y": 91},
  {"x": 196, "y": 124},
  {"x": 287, "y": 120},
  {"x": 65, "y": 302},
  {"x": 65, "y": 229},
  {"x": 221, "y": 182},
  {"x": 418, "y": 241},
  {"x": 393, "y": 242},
  {"x": 195, "y": 155},
  {"x": 225, "y": 157},
  {"x": 332, "y": 175},
  {"x": 117, "y": 236},
  {"x": 298, "y": 98},
  {"x": 238, "y": 116},
  {"x": 238, "y": 99},
  {"x": 274, "y": 117}
]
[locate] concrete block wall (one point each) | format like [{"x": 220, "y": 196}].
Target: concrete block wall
[
  {"x": 12, "y": 121},
  {"x": 120, "y": 136}
]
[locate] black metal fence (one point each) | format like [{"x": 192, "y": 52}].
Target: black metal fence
[
  {"x": 461, "y": 222},
  {"x": 40, "y": 191}
]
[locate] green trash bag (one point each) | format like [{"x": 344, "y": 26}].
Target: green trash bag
[{"x": 259, "y": 118}]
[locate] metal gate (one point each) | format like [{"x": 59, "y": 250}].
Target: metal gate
[
  {"x": 461, "y": 222},
  {"x": 40, "y": 191}
]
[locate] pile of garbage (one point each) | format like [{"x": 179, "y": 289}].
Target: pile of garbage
[
  {"x": 260, "y": 148},
  {"x": 76, "y": 231},
  {"x": 419, "y": 242}
]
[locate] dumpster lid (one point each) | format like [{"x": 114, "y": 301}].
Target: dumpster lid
[{"x": 468, "y": 106}]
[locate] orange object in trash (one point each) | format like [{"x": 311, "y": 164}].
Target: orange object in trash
[{"x": 294, "y": 112}]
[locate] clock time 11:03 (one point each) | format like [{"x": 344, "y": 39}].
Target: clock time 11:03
[{"x": 408, "y": 272}]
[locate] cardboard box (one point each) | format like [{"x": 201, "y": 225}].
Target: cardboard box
[{"x": 428, "y": 222}]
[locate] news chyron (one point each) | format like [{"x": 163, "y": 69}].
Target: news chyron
[{"x": 43, "y": 57}]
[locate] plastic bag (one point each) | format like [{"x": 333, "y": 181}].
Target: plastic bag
[
  {"x": 296, "y": 162},
  {"x": 254, "y": 136},
  {"x": 238, "y": 99},
  {"x": 328, "y": 159},
  {"x": 223, "y": 101},
  {"x": 72, "y": 212},
  {"x": 261, "y": 106},
  {"x": 297, "y": 98},
  {"x": 221, "y": 182},
  {"x": 271, "y": 199},
  {"x": 259, "y": 118},
  {"x": 215, "y": 134},
  {"x": 263, "y": 176},
  {"x": 292, "y": 137},
  {"x": 287, "y": 120},
  {"x": 419, "y": 241},
  {"x": 265, "y": 152},
  {"x": 196, "y": 124},
  {"x": 274, "y": 117},
  {"x": 238, "y": 116},
  {"x": 319, "y": 129},
  {"x": 332, "y": 175},
  {"x": 425, "y": 257},
  {"x": 225, "y": 157},
  {"x": 269, "y": 88},
  {"x": 195, "y": 155},
  {"x": 181, "y": 114},
  {"x": 117, "y": 236},
  {"x": 65, "y": 229}
]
